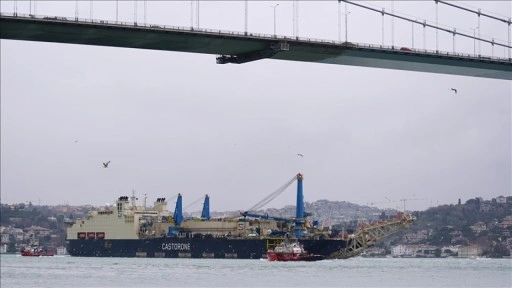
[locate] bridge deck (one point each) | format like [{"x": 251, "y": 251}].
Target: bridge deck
[{"x": 239, "y": 47}]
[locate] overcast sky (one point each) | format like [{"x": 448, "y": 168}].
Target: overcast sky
[{"x": 174, "y": 122}]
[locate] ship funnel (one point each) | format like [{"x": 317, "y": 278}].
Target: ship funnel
[
  {"x": 121, "y": 204},
  {"x": 160, "y": 205},
  {"x": 206, "y": 208},
  {"x": 299, "y": 215},
  {"x": 178, "y": 212}
]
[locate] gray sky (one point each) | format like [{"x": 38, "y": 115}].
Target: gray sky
[{"x": 179, "y": 123}]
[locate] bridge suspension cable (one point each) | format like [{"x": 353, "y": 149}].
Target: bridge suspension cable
[
  {"x": 479, "y": 13},
  {"x": 474, "y": 11},
  {"x": 425, "y": 24}
]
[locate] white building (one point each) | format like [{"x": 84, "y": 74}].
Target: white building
[
  {"x": 478, "y": 227},
  {"x": 501, "y": 200},
  {"x": 403, "y": 251},
  {"x": 413, "y": 251}
]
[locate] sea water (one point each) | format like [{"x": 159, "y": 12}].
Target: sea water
[{"x": 66, "y": 271}]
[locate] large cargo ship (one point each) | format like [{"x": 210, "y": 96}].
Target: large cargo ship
[{"x": 128, "y": 230}]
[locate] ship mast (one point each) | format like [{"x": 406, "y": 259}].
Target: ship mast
[{"x": 133, "y": 198}]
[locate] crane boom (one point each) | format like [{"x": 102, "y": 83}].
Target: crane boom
[
  {"x": 193, "y": 203},
  {"x": 272, "y": 195},
  {"x": 369, "y": 234},
  {"x": 267, "y": 217}
]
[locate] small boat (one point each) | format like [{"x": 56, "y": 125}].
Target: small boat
[
  {"x": 291, "y": 250},
  {"x": 36, "y": 252}
]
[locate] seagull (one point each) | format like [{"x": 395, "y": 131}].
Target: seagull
[
  {"x": 300, "y": 155},
  {"x": 454, "y": 90},
  {"x": 105, "y": 165}
]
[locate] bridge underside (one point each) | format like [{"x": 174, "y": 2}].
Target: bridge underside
[{"x": 240, "y": 48}]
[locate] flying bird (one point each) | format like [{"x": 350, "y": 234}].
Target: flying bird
[
  {"x": 300, "y": 155},
  {"x": 105, "y": 165},
  {"x": 454, "y": 90}
]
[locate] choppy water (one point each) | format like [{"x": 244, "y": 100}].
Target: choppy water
[{"x": 65, "y": 271}]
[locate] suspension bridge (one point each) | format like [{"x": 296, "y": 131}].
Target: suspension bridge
[{"x": 243, "y": 47}]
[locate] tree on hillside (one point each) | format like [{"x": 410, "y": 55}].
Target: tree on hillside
[{"x": 11, "y": 248}]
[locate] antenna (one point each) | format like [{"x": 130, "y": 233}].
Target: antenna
[{"x": 133, "y": 198}]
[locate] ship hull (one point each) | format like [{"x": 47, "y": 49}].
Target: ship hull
[{"x": 193, "y": 248}]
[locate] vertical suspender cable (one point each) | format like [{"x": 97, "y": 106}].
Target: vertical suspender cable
[
  {"x": 479, "y": 32},
  {"x": 509, "y": 49},
  {"x": 437, "y": 25},
  {"x": 293, "y": 18},
  {"x": 296, "y": 31},
  {"x": 346, "y": 23},
  {"x": 412, "y": 35},
  {"x": 339, "y": 21},
  {"x": 392, "y": 24},
  {"x": 382, "y": 26},
  {"x": 198, "y": 13},
  {"x": 492, "y": 48},
  {"x": 454, "y": 32},
  {"x": 424, "y": 35},
  {"x": 191, "y": 14},
  {"x": 246, "y": 14}
]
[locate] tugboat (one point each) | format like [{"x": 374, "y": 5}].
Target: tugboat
[
  {"x": 291, "y": 250},
  {"x": 36, "y": 252}
]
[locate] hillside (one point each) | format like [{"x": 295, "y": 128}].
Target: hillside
[{"x": 486, "y": 223}]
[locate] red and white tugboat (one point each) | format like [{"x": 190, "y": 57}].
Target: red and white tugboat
[
  {"x": 291, "y": 250},
  {"x": 36, "y": 252}
]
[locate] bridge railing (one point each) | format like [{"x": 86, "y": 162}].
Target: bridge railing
[{"x": 258, "y": 36}]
